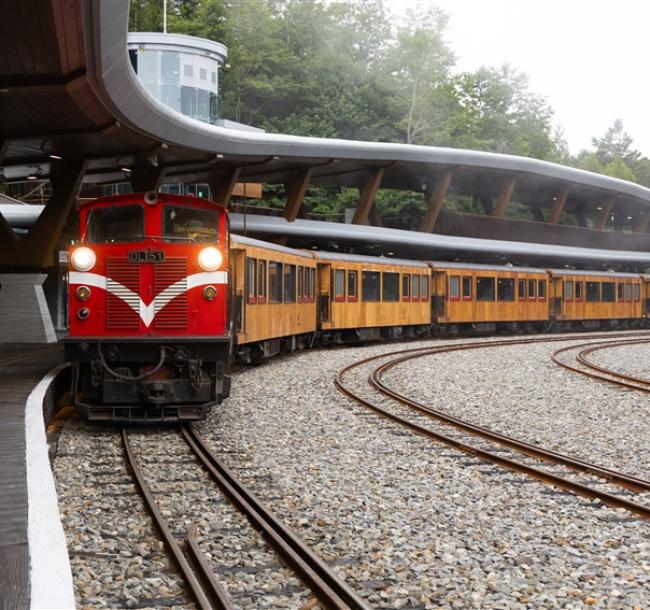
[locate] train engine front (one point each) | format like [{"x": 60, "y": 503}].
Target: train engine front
[{"x": 148, "y": 291}]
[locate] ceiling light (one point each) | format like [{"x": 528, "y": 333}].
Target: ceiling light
[
  {"x": 125, "y": 169},
  {"x": 57, "y": 157}
]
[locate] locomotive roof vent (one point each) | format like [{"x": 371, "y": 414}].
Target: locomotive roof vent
[{"x": 151, "y": 197}]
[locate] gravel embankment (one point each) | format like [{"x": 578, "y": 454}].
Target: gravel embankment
[{"x": 407, "y": 522}]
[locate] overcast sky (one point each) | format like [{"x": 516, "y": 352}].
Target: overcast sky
[{"x": 589, "y": 58}]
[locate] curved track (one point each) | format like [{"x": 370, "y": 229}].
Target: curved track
[
  {"x": 601, "y": 373},
  {"x": 331, "y": 591},
  {"x": 414, "y": 418}
]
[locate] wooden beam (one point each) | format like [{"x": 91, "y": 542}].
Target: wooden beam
[
  {"x": 39, "y": 244},
  {"x": 374, "y": 217},
  {"x": 222, "y": 184},
  {"x": 504, "y": 197},
  {"x": 642, "y": 222},
  {"x": 558, "y": 207},
  {"x": 537, "y": 213},
  {"x": 604, "y": 215},
  {"x": 487, "y": 204},
  {"x": 435, "y": 197},
  {"x": 147, "y": 178},
  {"x": 367, "y": 196},
  {"x": 296, "y": 194}
]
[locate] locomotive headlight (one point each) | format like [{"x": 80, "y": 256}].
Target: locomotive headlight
[
  {"x": 210, "y": 259},
  {"x": 210, "y": 292},
  {"x": 83, "y": 259},
  {"x": 83, "y": 313},
  {"x": 82, "y": 292}
]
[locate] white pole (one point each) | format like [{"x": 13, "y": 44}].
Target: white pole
[{"x": 165, "y": 16}]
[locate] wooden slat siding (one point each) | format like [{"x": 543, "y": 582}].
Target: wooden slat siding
[
  {"x": 375, "y": 314},
  {"x": 17, "y": 380},
  {"x": 271, "y": 320},
  {"x": 460, "y": 312},
  {"x": 582, "y": 310}
]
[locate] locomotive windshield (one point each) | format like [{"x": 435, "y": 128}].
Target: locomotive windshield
[
  {"x": 116, "y": 224},
  {"x": 191, "y": 224}
]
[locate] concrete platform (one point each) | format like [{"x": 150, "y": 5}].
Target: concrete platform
[{"x": 30, "y": 530}]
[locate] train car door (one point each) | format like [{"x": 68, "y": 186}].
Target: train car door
[
  {"x": 557, "y": 308},
  {"x": 324, "y": 289}
]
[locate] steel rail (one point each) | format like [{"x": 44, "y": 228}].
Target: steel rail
[
  {"x": 556, "y": 480},
  {"x": 170, "y": 540},
  {"x": 330, "y": 589},
  {"x": 625, "y": 381},
  {"x": 218, "y": 592}
]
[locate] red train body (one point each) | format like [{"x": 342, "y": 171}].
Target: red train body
[{"x": 149, "y": 325}]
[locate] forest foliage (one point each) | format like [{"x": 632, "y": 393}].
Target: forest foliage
[{"x": 347, "y": 69}]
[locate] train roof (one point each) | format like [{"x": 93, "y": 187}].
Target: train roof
[
  {"x": 258, "y": 243},
  {"x": 583, "y": 272},
  {"x": 479, "y": 267},
  {"x": 361, "y": 258}
]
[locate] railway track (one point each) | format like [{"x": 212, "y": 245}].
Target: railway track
[
  {"x": 197, "y": 569},
  {"x": 583, "y": 478},
  {"x": 600, "y": 373}
]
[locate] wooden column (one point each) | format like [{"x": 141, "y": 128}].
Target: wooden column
[
  {"x": 487, "y": 204},
  {"x": 222, "y": 184},
  {"x": 504, "y": 197},
  {"x": 604, "y": 215},
  {"x": 36, "y": 248},
  {"x": 367, "y": 197},
  {"x": 537, "y": 213},
  {"x": 374, "y": 217},
  {"x": 296, "y": 194},
  {"x": 147, "y": 178},
  {"x": 642, "y": 222},
  {"x": 558, "y": 206},
  {"x": 435, "y": 195}
]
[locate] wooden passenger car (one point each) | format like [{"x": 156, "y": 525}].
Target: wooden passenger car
[
  {"x": 484, "y": 295},
  {"x": 592, "y": 295},
  {"x": 273, "y": 297},
  {"x": 365, "y": 297}
]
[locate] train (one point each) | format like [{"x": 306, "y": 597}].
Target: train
[{"x": 163, "y": 298}]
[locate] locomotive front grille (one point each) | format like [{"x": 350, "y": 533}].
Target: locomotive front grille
[
  {"x": 170, "y": 287},
  {"x": 123, "y": 294}
]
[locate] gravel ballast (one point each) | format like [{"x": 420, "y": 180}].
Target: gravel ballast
[{"x": 410, "y": 523}]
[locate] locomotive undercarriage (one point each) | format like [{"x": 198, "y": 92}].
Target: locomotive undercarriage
[{"x": 149, "y": 381}]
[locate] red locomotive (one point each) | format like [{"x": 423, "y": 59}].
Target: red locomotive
[{"x": 150, "y": 337}]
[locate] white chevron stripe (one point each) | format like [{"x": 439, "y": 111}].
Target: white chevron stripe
[{"x": 147, "y": 313}]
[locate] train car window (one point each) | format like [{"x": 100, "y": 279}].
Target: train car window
[
  {"x": 609, "y": 292},
  {"x": 568, "y": 290},
  {"x": 637, "y": 293},
  {"x": 305, "y": 284},
  {"x": 275, "y": 282},
  {"x": 289, "y": 283},
  {"x": 454, "y": 287},
  {"x": 425, "y": 287},
  {"x": 370, "y": 285},
  {"x": 261, "y": 282},
  {"x": 339, "y": 284},
  {"x": 181, "y": 223},
  {"x": 521, "y": 290},
  {"x": 117, "y": 224},
  {"x": 485, "y": 289},
  {"x": 532, "y": 290},
  {"x": 415, "y": 287},
  {"x": 579, "y": 291},
  {"x": 312, "y": 284},
  {"x": 628, "y": 292},
  {"x": 505, "y": 289},
  {"x": 390, "y": 287},
  {"x": 300, "y": 285},
  {"x": 251, "y": 280},
  {"x": 541, "y": 290},
  {"x": 593, "y": 292},
  {"x": 619, "y": 294},
  {"x": 353, "y": 278},
  {"x": 467, "y": 288},
  {"x": 406, "y": 287}
]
